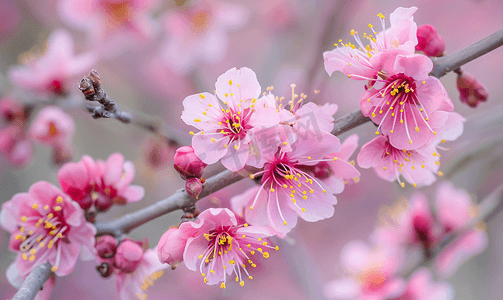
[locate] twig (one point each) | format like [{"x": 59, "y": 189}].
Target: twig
[
  {"x": 349, "y": 121},
  {"x": 33, "y": 283}
]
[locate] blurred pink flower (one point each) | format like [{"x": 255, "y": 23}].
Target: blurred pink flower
[
  {"x": 406, "y": 104},
  {"x": 53, "y": 127},
  {"x": 14, "y": 142},
  {"x": 225, "y": 132},
  {"x": 199, "y": 34},
  {"x": 471, "y": 91},
  {"x": 56, "y": 70},
  {"x": 371, "y": 273},
  {"x": 429, "y": 41},
  {"x": 358, "y": 62},
  {"x": 220, "y": 247},
  {"x": 287, "y": 189},
  {"x": 157, "y": 153},
  {"x": 111, "y": 25},
  {"x": 133, "y": 282},
  {"x": 102, "y": 183},
  {"x": 64, "y": 235},
  {"x": 416, "y": 166},
  {"x": 278, "y": 14},
  {"x": 422, "y": 287}
]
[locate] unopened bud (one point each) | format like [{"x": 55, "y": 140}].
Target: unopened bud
[
  {"x": 106, "y": 246},
  {"x": 171, "y": 247},
  {"x": 322, "y": 170},
  {"x": 194, "y": 186},
  {"x": 128, "y": 256},
  {"x": 470, "y": 90},
  {"x": 187, "y": 163},
  {"x": 429, "y": 41}
]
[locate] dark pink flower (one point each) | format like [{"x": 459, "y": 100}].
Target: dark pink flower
[
  {"x": 199, "y": 33},
  {"x": 53, "y": 72},
  {"x": 429, "y": 41},
  {"x": 187, "y": 164},
  {"x": 372, "y": 273},
  {"x": 288, "y": 186},
  {"x": 421, "y": 286},
  {"x": 53, "y": 127},
  {"x": 46, "y": 226},
  {"x": 226, "y": 130},
  {"x": 416, "y": 166},
  {"x": 100, "y": 183},
  {"x": 470, "y": 90},
  {"x": 219, "y": 247},
  {"x": 405, "y": 102},
  {"x": 356, "y": 62}
]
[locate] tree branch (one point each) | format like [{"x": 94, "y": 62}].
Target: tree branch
[{"x": 33, "y": 283}]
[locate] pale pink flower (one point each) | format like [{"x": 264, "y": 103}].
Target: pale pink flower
[
  {"x": 14, "y": 142},
  {"x": 372, "y": 273},
  {"x": 54, "y": 73},
  {"x": 199, "y": 33},
  {"x": 53, "y": 127},
  {"x": 429, "y": 41},
  {"x": 421, "y": 286},
  {"x": 356, "y": 61},
  {"x": 111, "y": 25},
  {"x": 416, "y": 166},
  {"x": 220, "y": 247},
  {"x": 100, "y": 183},
  {"x": 226, "y": 130},
  {"x": 132, "y": 283},
  {"x": 407, "y": 103},
  {"x": 288, "y": 187},
  {"x": 47, "y": 226}
]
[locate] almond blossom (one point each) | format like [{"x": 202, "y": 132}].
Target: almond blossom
[
  {"x": 100, "y": 183},
  {"x": 53, "y": 72},
  {"x": 199, "y": 33},
  {"x": 357, "y": 61},
  {"x": 226, "y": 128},
  {"x": 371, "y": 273},
  {"x": 46, "y": 226},
  {"x": 218, "y": 247},
  {"x": 53, "y": 127},
  {"x": 288, "y": 186}
]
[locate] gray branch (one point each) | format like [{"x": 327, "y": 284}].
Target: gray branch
[
  {"x": 33, "y": 283},
  {"x": 181, "y": 199}
]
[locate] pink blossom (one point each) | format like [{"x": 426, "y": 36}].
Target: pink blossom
[
  {"x": 53, "y": 127},
  {"x": 133, "y": 284},
  {"x": 471, "y": 91},
  {"x": 357, "y": 62},
  {"x": 407, "y": 104},
  {"x": 199, "y": 33},
  {"x": 157, "y": 153},
  {"x": 220, "y": 247},
  {"x": 226, "y": 130},
  {"x": 416, "y": 166},
  {"x": 187, "y": 164},
  {"x": 54, "y": 72},
  {"x": 172, "y": 244},
  {"x": 454, "y": 207},
  {"x": 372, "y": 273},
  {"x": 429, "y": 41},
  {"x": 288, "y": 186},
  {"x": 422, "y": 287},
  {"x": 60, "y": 239},
  {"x": 111, "y": 25},
  {"x": 14, "y": 142},
  {"x": 100, "y": 183}
]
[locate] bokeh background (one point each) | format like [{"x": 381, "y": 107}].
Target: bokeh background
[{"x": 283, "y": 42}]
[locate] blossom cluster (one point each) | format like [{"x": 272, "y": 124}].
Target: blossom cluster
[
  {"x": 411, "y": 109},
  {"x": 409, "y": 229}
]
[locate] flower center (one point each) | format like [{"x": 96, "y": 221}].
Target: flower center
[
  {"x": 199, "y": 21},
  {"x": 56, "y": 87},
  {"x": 119, "y": 11},
  {"x": 373, "y": 280}
]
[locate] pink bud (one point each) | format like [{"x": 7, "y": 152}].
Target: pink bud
[
  {"x": 470, "y": 90},
  {"x": 187, "y": 163},
  {"x": 128, "y": 256},
  {"x": 171, "y": 247},
  {"x": 106, "y": 246},
  {"x": 194, "y": 186},
  {"x": 429, "y": 41}
]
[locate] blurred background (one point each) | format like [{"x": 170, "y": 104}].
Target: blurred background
[{"x": 152, "y": 65}]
